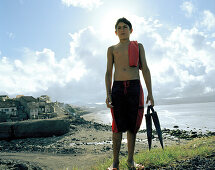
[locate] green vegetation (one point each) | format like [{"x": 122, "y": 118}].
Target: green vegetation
[{"x": 160, "y": 158}]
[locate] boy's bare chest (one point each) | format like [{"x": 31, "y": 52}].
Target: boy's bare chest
[{"x": 121, "y": 56}]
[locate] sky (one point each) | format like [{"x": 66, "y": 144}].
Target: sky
[{"x": 59, "y": 47}]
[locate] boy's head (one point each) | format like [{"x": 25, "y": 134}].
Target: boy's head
[
  {"x": 124, "y": 20},
  {"x": 123, "y": 28}
]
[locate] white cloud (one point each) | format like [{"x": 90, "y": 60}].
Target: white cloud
[
  {"x": 87, "y": 48},
  {"x": 213, "y": 44},
  {"x": 89, "y": 4},
  {"x": 188, "y": 7},
  {"x": 37, "y": 71},
  {"x": 208, "y": 20},
  {"x": 191, "y": 58}
]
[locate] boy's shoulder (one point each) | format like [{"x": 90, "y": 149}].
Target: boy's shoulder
[{"x": 112, "y": 47}]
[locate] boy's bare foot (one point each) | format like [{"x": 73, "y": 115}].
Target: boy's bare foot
[
  {"x": 110, "y": 168},
  {"x": 114, "y": 166},
  {"x": 134, "y": 166}
]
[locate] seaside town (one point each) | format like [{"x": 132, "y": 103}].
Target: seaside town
[{"x": 27, "y": 107}]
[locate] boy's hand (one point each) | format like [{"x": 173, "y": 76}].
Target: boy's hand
[
  {"x": 109, "y": 101},
  {"x": 151, "y": 99}
]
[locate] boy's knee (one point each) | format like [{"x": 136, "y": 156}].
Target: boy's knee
[
  {"x": 131, "y": 132},
  {"x": 117, "y": 135}
]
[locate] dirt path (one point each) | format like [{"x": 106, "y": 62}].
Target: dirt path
[{"x": 56, "y": 162}]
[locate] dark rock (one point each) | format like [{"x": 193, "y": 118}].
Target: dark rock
[
  {"x": 142, "y": 131},
  {"x": 33, "y": 128},
  {"x": 72, "y": 127},
  {"x": 175, "y": 126},
  {"x": 175, "y": 132},
  {"x": 20, "y": 167},
  {"x": 194, "y": 136},
  {"x": 211, "y": 133},
  {"x": 108, "y": 148},
  {"x": 165, "y": 130}
]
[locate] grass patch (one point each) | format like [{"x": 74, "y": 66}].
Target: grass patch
[{"x": 159, "y": 158}]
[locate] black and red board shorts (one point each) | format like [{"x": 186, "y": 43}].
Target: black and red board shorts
[{"x": 128, "y": 106}]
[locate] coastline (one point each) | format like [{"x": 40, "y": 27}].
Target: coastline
[{"x": 86, "y": 144}]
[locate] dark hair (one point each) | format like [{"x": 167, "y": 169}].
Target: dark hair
[{"x": 124, "y": 20}]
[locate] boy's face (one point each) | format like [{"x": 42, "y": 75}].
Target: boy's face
[{"x": 123, "y": 31}]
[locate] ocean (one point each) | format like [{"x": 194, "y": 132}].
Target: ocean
[{"x": 192, "y": 116}]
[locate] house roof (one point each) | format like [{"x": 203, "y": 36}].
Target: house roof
[
  {"x": 18, "y": 96},
  {"x": 28, "y": 99}
]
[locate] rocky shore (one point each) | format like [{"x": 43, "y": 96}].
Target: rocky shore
[
  {"x": 65, "y": 144},
  {"x": 83, "y": 146}
]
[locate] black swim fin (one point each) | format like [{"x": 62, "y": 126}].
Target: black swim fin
[
  {"x": 157, "y": 125},
  {"x": 149, "y": 127}
]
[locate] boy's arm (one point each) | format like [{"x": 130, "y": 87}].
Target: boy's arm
[
  {"x": 108, "y": 76},
  {"x": 146, "y": 74}
]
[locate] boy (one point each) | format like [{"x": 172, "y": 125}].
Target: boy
[{"x": 125, "y": 96}]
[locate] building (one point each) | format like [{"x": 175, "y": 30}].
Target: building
[
  {"x": 4, "y": 97},
  {"x": 44, "y": 98},
  {"x": 26, "y": 107},
  {"x": 31, "y": 106},
  {"x": 9, "y": 110}
]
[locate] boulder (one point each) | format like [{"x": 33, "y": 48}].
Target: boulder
[
  {"x": 6, "y": 130},
  {"x": 33, "y": 128}
]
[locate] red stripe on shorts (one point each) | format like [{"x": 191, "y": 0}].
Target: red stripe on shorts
[{"x": 114, "y": 127}]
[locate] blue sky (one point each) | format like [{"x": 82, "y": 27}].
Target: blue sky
[{"x": 58, "y": 47}]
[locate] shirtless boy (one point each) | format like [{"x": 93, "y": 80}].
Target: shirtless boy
[{"x": 124, "y": 95}]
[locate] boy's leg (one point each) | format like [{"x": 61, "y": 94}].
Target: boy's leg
[
  {"x": 131, "y": 138},
  {"x": 117, "y": 138}
]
